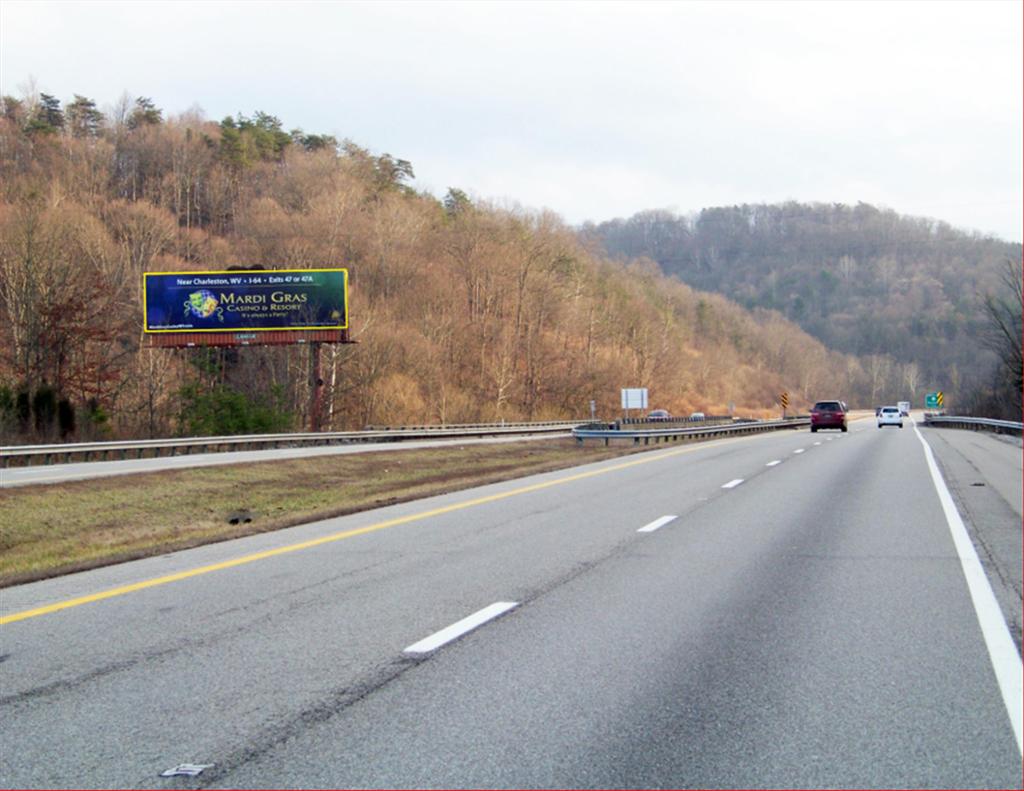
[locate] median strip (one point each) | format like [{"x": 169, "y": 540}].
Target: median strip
[
  {"x": 289, "y": 548},
  {"x": 53, "y": 530}
]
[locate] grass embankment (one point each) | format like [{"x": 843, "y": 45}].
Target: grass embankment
[{"x": 60, "y": 528}]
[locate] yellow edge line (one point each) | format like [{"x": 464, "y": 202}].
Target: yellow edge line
[{"x": 270, "y": 553}]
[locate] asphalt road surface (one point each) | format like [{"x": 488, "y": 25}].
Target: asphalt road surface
[{"x": 783, "y": 610}]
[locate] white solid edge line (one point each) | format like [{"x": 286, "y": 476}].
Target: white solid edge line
[
  {"x": 733, "y": 483},
  {"x": 656, "y": 524},
  {"x": 456, "y": 630},
  {"x": 1002, "y": 651},
  {"x": 773, "y": 463}
]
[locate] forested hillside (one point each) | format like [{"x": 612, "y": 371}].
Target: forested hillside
[
  {"x": 896, "y": 291},
  {"x": 462, "y": 311}
]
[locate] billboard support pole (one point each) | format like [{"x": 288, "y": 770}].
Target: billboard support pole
[{"x": 316, "y": 384}]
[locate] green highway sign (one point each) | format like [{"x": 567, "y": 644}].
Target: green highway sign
[{"x": 933, "y": 400}]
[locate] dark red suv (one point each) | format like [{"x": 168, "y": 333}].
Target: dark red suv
[{"x": 829, "y": 414}]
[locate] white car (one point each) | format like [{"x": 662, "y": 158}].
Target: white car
[{"x": 890, "y": 416}]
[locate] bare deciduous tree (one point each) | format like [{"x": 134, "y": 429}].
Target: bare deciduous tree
[{"x": 1004, "y": 336}]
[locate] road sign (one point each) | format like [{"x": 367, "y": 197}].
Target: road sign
[
  {"x": 784, "y": 400},
  {"x": 634, "y": 398},
  {"x": 933, "y": 400}
]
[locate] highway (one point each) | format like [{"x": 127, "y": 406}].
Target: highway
[{"x": 779, "y": 610}]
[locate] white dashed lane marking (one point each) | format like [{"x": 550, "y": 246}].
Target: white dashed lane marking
[
  {"x": 459, "y": 628},
  {"x": 656, "y": 524}
]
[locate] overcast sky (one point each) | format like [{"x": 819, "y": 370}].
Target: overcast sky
[{"x": 593, "y": 109}]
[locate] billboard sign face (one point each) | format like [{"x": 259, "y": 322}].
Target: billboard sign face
[{"x": 246, "y": 301}]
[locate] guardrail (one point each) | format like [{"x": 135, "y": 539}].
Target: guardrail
[
  {"x": 85, "y": 451},
  {"x": 675, "y": 434},
  {"x": 707, "y": 420},
  {"x": 538, "y": 424},
  {"x": 975, "y": 423}
]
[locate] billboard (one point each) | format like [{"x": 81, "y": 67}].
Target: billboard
[{"x": 245, "y": 301}]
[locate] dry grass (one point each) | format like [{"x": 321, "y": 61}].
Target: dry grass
[{"x": 59, "y": 528}]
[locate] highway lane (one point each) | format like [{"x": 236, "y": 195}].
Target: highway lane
[{"x": 809, "y": 625}]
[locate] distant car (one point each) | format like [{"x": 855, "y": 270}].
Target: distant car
[
  {"x": 658, "y": 415},
  {"x": 878, "y": 411},
  {"x": 829, "y": 414},
  {"x": 904, "y": 407},
  {"x": 890, "y": 416},
  {"x": 697, "y": 416}
]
